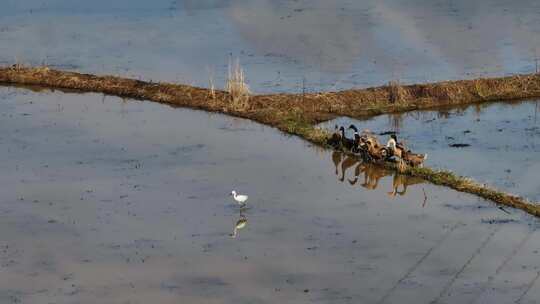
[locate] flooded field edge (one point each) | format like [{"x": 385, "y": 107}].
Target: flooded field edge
[
  {"x": 314, "y": 107},
  {"x": 296, "y": 114}
]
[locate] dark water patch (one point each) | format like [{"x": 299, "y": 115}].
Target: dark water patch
[
  {"x": 207, "y": 281},
  {"x": 466, "y": 207},
  {"x": 11, "y": 296},
  {"x": 498, "y": 221},
  {"x": 187, "y": 150}
]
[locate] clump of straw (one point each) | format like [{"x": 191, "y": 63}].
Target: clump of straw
[
  {"x": 236, "y": 86},
  {"x": 211, "y": 84},
  {"x": 395, "y": 91}
]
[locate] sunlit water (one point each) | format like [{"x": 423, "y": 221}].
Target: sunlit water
[
  {"x": 112, "y": 201},
  {"x": 284, "y": 45},
  {"x": 106, "y": 200},
  {"x": 503, "y": 139}
]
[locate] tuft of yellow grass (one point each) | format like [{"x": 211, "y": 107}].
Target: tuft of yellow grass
[
  {"x": 236, "y": 86},
  {"x": 43, "y": 69},
  {"x": 211, "y": 85},
  {"x": 212, "y": 89},
  {"x": 395, "y": 91}
]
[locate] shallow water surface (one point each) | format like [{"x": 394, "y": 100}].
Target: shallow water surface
[
  {"x": 284, "y": 45},
  {"x": 122, "y": 201},
  {"x": 501, "y": 141}
]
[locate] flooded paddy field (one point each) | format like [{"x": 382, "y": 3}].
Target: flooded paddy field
[
  {"x": 494, "y": 143},
  {"x": 284, "y": 45},
  {"x": 122, "y": 201},
  {"x": 106, "y": 200}
]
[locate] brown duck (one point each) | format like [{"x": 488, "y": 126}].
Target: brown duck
[
  {"x": 413, "y": 159},
  {"x": 375, "y": 151}
]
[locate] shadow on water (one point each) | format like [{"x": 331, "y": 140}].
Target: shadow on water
[{"x": 370, "y": 174}]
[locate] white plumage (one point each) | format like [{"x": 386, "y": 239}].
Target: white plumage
[
  {"x": 239, "y": 198},
  {"x": 391, "y": 143}
]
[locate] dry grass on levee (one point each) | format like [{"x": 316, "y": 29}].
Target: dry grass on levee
[
  {"x": 298, "y": 114},
  {"x": 237, "y": 87}
]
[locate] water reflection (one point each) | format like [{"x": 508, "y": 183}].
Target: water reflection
[
  {"x": 372, "y": 174},
  {"x": 495, "y": 143},
  {"x": 404, "y": 181},
  {"x": 331, "y": 44},
  {"x": 240, "y": 224},
  {"x": 58, "y": 248},
  {"x": 417, "y": 31}
]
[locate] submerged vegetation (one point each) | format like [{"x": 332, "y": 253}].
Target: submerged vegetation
[{"x": 297, "y": 114}]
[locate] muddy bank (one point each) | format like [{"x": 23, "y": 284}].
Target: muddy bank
[{"x": 297, "y": 113}]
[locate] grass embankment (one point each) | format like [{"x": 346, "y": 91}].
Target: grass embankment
[{"x": 297, "y": 114}]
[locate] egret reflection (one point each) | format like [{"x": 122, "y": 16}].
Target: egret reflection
[
  {"x": 240, "y": 224},
  {"x": 368, "y": 175}
]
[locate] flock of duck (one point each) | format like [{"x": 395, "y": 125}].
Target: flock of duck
[{"x": 368, "y": 147}]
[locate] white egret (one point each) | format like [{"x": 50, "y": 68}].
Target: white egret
[{"x": 241, "y": 199}]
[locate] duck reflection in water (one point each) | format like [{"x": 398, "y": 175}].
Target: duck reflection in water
[
  {"x": 240, "y": 224},
  {"x": 404, "y": 181},
  {"x": 372, "y": 174},
  {"x": 336, "y": 159},
  {"x": 347, "y": 163}
]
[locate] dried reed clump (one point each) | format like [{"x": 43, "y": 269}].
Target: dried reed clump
[
  {"x": 212, "y": 88},
  {"x": 236, "y": 86},
  {"x": 42, "y": 69},
  {"x": 396, "y": 91}
]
